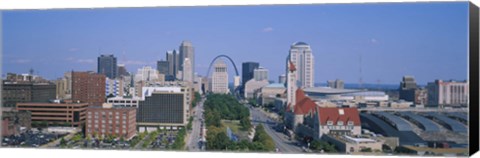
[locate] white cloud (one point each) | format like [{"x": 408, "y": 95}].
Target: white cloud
[
  {"x": 21, "y": 61},
  {"x": 267, "y": 29}
]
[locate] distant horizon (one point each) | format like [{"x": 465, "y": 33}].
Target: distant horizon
[{"x": 384, "y": 41}]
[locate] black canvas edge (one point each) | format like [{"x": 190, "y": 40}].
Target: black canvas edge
[{"x": 473, "y": 79}]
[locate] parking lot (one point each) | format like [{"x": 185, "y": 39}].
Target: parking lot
[{"x": 30, "y": 138}]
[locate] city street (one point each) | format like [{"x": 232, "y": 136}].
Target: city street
[
  {"x": 194, "y": 135},
  {"x": 280, "y": 139}
]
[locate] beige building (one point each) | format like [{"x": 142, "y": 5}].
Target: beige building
[
  {"x": 253, "y": 87},
  {"x": 270, "y": 92},
  {"x": 448, "y": 93},
  {"x": 220, "y": 78},
  {"x": 352, "y": 145}
]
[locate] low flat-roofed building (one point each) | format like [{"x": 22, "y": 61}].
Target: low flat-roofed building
[
  {"x": 124, "y": 101},
  {"x": 56, "y": 114},
  {"x": 104, "y": 121},
  {"x": 352, "y": 145}
]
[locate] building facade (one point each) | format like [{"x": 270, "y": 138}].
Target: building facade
[
  {"x": 282, "y": 79},
  {"x": 20, "y": 92},
  {"x": 220, "y": 77},
  {"x": 337, "y": 84},
  {"x": 56, "y": 113},
  {"x": 187, "y": 67},
  {"x": 173, "y": 62},
  {"x": 247, "y": 71},
  {"x": 163, "y": 67},
  {"x": 253, "y": 87},
  {"x": 407, "y": 89},
  {"x": 107, "y": 65},
  {"x": 448, "y": 93},
  {"x": 114, "y": 87},
  {"x": 165, "y": 108},
  {"x": 260, "y": 74},
  {"x": 104, "y": 121},
  {"x": 301, "y": 55},
  {"x": 88, "y": 87}
]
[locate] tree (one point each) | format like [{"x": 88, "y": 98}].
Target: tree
[
  {"x": 63, "y": 143},
  {"x": 245, "y": 123}
]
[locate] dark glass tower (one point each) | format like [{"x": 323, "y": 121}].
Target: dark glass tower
[{"x": 107, "y": 65}]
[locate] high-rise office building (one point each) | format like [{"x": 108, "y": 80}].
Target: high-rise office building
[
  {"x": 107, "y": 65},
  {"x": 448, "y": 93},
  {"x": 187, "y": 70},
  {"x": 163, "y": 67},
  {"x": 220, "y": 77},
  {"x": 163, "y": 107},
  {"x": 408, "y": 86},
  {"x": 260, "y": 74},
  {"x": 282, "y": 79},
  {"x": 247, "y": 71},
  {"x": 174, "y": 63},
  {"x": 88, "y": 87},
  {"x": 122, "y": 71},
  {"x": 187, "y": 51},
  {"x": 301, "y": 55},
  {"x": 114, "y": 87}
]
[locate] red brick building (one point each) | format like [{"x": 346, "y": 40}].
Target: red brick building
[
  {"x": 88, "y": 87},
  {"x": 120, "y": 122}
]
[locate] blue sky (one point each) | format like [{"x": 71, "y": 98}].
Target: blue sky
[{"x": 426, "y": 40}]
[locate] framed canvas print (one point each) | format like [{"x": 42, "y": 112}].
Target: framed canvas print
[{"x": 346, "y": 79}]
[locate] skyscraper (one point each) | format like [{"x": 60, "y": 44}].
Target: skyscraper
[
  {"x": 122, "y": 71},
  {"x": 301, "y": 55},
  {"x": 187, "y": 51},
  {"x": 408, "y": 87},
  {"x": 107, "y": 65},
  {"x": 173, "y": 61},
  {"x": 282, "y": 79},
  {"x": 220, "y": 77},
  {"x": 187, "y": 70},
  {"x": 260, "y": 74},
  {"x": 163, "y": 67},
  {"x": 247, "y": 70}
]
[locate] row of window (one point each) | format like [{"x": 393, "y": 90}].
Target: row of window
[{"x": 340, "y": 123}]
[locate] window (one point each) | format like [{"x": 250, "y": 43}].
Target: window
[
  {"x": 350, "y": 123},
  {"x": 340, "y": 123},
  {"x": 329, "y": 122}
]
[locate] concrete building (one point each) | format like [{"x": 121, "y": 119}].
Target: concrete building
[
  {"x": 260, "y": 74},
  {"x": 122, "y": 71},
  {"x": 107, "y": 65},
  {"x": 20, "y": 92},
  {"x": 64, "y": 86},
  {"x": 147, "y": 74},
  {"x": 187, "y": 70},
  {"x": 352, "y": 145},
  {"x": 236, "y": 82},
  {"x": 407, "y": 89},
  {"x": 302, "y": 57},
  {"x": 253, "y": 87},
  {"x": 247, "y": 71},
  {"x": 124, "y": 101},
  {"x": 282, "y": 79},
  {"x": 104, "y": 121},
  {"x": 270, "y": 92},
  {"x": 220, "y": 77},
  {"x": 88, "y": 87},
  {"x": 164, "y": 107},
  {"x": 337, "y": 84},
  {"x": 56, "y": 113},
  {"x": 173, "y": 61},
  {"x": 187, "y": 67},
  {"x": 114, "y": 87},
  {"x": 163, "y": 67},
  {"x": 448, "y": 93}
]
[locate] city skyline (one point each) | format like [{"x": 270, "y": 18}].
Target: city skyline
[{"x": 410, "y": 39}]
